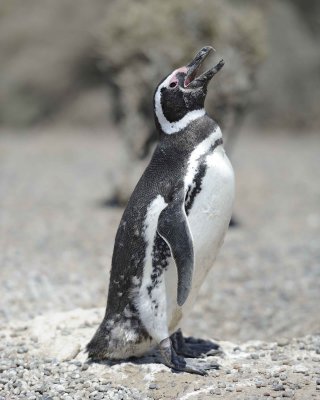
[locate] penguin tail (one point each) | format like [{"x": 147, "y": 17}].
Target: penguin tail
[
  {"x": 97, "y": 347},
  {"x": 117, "y": 341}
]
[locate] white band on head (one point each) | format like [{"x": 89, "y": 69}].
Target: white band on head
[{"x": 173, "y": 127}]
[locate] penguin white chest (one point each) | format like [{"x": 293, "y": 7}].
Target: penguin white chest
[
  {"x": 211, "y": 211},
  {"x": 208, "y": 217}
]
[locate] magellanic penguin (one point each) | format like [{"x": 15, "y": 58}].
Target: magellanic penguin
[{"x": 171, "y": 230}]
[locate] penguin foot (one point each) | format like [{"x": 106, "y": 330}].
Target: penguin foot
[
  {"x": 178, "y": 363},
  {"x": 194, "y": 348}
]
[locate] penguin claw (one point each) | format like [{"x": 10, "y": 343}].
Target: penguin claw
[
  {"x": 178, "y": 363},
  {"x": 194, "y": 348}
]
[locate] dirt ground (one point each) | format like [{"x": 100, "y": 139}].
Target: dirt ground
[{"x": 57, "y": 237}]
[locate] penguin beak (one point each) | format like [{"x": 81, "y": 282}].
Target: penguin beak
[{"x": 191, "y": 82}]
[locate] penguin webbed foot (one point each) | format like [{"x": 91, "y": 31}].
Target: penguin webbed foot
[
  {"x": 194, "y": 348},
  {"x": 178, "y": 363}
]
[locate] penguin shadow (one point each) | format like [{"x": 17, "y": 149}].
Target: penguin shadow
[
  {"x": 110, "y": 202},
  {"x": 206, "y": 349}
]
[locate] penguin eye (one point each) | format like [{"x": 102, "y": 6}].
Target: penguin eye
[{"x": 173, "y": 84}]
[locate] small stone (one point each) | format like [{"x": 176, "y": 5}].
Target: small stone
[
  {"x": 103, "y": 388},
  {"x": 84, "y": 367},
  {"x": 300, "y": 369},
  {"x": 288, "y": 393},
  {"x": 254, "y": 356},
  {"x": 283, "y": 342},
  {"x": 22, "y": 350},
  {"x": 77, "y": 363},
  {"x": 318, "y": 382},
  {"x": 60, "y": 388},
  {"x": 215, "y": 391},
  {"x": 277, "y": 387},
  {"x": 100, "y": 396},
  {"x": 283, "y": 377},
  {"x": 39, "y": 388},
  {"x": 153, "y": 386}
]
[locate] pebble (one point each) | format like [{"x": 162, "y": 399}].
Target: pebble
[
  {"x": 283, "y": 342},
  {"x": 153, "y": 386},
  {"x": 277, "y": 387},
  {"x": 85, "y": 367},
  {"x": 216, "y": 391},
  {"x": 301, "y": 369},
  {"x": 283, "y": 377},
  {"x": 288, "y": 393},
  {"x": 103, "y": 388},
  {"x": 60, "y": 388}
]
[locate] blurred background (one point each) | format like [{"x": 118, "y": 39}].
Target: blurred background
[{"x": 77, "y": 130}]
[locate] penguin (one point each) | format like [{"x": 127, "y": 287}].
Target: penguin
[{"x": 171, "y": 230}]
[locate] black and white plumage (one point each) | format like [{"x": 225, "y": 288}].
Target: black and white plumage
[{"x": 172, "y": 228}]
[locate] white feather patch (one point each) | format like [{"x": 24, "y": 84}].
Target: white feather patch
[
  {"x": 200, "y": 150},
  {"x": 153, "y": 314}
]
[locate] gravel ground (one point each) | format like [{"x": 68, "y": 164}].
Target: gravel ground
[
  {"x": 44, "y": 359},
  {"x": 56, "y": 240}
]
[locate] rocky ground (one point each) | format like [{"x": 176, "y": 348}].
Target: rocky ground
[
  {"x": 56, "y": 241},
  {"x": 44, "y": 359}
]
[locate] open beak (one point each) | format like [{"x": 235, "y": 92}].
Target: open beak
[{"x": 193, "y": 82}]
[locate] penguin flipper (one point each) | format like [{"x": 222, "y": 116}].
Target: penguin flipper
[{"x": 173, "y": 227}]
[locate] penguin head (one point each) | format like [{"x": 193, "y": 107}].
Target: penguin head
[{"x": 180, "y": 97}]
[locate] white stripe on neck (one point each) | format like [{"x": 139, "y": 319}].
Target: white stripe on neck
[{"x": 173, "y": 127}]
